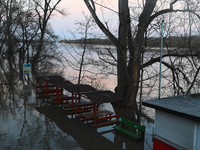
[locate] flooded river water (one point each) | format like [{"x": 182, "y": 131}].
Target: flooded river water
[{"x": 27, "y": 123}]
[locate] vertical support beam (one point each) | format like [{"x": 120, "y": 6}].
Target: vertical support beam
[
  {"x": 44, "y": 88},
  {"x": 72, "y": 103},
  {"x": 61, "y": 91},
  {"x": 47, "y": 89},
  {"x": 95, "y": 115},
  {"x": 57, "y": 96},
  {"x": 75, "y": 101},
  {"x": 118, "y": 105},
  {"x": 36, "y": 83}
]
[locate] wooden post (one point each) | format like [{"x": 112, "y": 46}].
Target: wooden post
[
  {"x": 57, "y": 96},
  {"x": 47, "y": 89},
  {"x": 118, "y": 105},
  {"x": 73, "y": 103},
  {"x": 95, "y": 116}
]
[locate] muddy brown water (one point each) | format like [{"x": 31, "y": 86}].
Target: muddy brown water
[{"x": 27, "y": 123}]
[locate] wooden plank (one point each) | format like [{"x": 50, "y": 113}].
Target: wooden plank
[
  {"x": 64, "y": 96},
  {"x": 60, "y": 98},
  {"x": 90, "y": 115},
  {"x": 51, "y": 91},
  {"x": 77, "y": 104},
  {"x": 66, "y": 105},
  {"x": 78, "y": 113},
  {"x": 83, "y": 104},
  {"x": 104, "y": 123}
]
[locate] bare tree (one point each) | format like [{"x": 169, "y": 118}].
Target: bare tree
[
  {"x": 84, "y": 28},
  {"x": 44, "y": 10},
  {"x": 20, "y": 32},
  {"x": 10, "y": 15},
  {"x": 129, "y": 66},
  {"x": 80, "y": 57}
]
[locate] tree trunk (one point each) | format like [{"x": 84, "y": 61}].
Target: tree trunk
[
  {"x": 128, "y": 70},
  {"x": 122, "y": 70},
  {"x": 37, "y": 55}
]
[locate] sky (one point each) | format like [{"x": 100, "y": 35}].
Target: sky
[{"x": 62, "y": 25}]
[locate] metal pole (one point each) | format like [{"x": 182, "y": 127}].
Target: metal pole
[
  {"x": 195, "y": 137},
  {"x": 161, "y": 49}
]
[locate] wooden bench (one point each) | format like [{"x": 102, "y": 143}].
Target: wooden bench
[
  {"x": 78, "y": 107},
  {"x": 140, "y": 130},
  {"x": 91, "y": 115},
  {"x": 60, "y": 99},
  {"x": 104, "y": 123}
]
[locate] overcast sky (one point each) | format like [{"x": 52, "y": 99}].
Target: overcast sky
[{"x": 62, "y": 24}]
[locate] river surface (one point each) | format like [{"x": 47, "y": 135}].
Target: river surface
[{"x": 26, "y": 123}]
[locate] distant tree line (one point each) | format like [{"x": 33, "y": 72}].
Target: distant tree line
[
  {"x": 175, "y": 41},
  {"x": 171, "y": 41},
  {"x": 89, "y": 41}
]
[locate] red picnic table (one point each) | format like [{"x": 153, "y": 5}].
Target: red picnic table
[
  {"x": 48, "y": 88},
  {"x": 76, "y": 104},
  {"x": 54, "y": 85},
  {"x": 104, "y": 117},
  {"x": 59, "y": 97}
]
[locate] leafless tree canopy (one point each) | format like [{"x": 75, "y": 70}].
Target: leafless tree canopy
[
  {"x": 24, "y": 29},
  {"x": 138, "y": 21}
]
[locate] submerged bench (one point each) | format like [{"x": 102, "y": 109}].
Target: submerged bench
[
  {"x": 139, "y": 134},
  {"x": 91, "y": 115},
  {"x": 103, "y": 118}
]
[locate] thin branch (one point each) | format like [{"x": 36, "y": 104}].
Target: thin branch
[
  {"x": 107, "y": 8},
  {"x": 157, "y": 59},
  {"x": 101, "y": 25},
  {"x": 195, "y": 77}
]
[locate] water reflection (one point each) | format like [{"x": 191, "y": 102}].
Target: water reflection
[
  {"x": 23, "y": 127},
  {"x": 27, "y": 123}
]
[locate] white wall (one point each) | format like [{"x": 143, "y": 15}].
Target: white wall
[{"x": 175, "y": 129}]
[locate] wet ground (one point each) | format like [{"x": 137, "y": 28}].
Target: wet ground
[{"x": 27, "y": 123}]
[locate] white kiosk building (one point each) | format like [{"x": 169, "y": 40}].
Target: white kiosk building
[{"x": 177, "y": 122}]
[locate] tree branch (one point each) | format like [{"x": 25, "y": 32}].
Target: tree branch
[
  {"x": 157, "y": 59},
  {"x": 170, "y": 10},
  {"x": 100, "y": 24},
  {"x": 197, "y": 72},
  {"x": 172, "y": 3}
]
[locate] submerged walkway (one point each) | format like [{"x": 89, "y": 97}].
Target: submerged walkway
[
  {"x": 29, "y": 123},
  {"x": 83, "y": 98}
]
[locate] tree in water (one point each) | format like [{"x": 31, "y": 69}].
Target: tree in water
[
  {"x": 130, "y": 46},
  {"x": 44, "y": 10}
]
